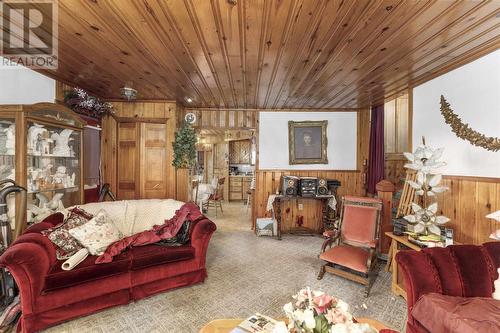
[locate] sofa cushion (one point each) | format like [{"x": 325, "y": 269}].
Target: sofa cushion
[
  {"x": 442, "y": 313},
  {"x": 97, "y": 234},
  {"x": 60, "y": 236},
  {"x": 86, "y": 271},
  {"x": 153, "y": 254}
]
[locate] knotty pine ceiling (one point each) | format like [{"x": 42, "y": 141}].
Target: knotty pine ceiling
[{"x": 269, "y": 53}]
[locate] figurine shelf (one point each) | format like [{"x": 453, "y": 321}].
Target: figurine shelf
[{"x": 41, "y": 149}]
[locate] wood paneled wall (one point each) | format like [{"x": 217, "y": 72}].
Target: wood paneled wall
[
  {"x": 145, "y": 111},
  {"x": 466, "y": 203},
  {"x": 222, "y": 119}
]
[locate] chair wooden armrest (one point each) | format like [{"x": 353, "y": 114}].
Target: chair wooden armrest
[{"x": 330, "y": 238}]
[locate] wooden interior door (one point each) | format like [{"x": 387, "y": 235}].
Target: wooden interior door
[
  {"x": 128, "y": 161},
  {"x": 153, "y": 168}
]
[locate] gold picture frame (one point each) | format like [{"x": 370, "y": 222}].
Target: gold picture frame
[{"x": 307, "y": 142}]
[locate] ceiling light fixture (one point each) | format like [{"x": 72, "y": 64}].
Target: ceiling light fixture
[
  {"x": 128, "y": 93},
  {"x": 189, "y": 99}
]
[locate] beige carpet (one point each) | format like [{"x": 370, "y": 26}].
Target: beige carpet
[{"x": 246, "y": 274}]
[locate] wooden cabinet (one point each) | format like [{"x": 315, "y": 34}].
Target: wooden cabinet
[
  {"x": 238, "y": 187},
  {"x": 142, "y": 169},
  {"x": 240, "y": 152},
  {"x": 41, "y": 148}
]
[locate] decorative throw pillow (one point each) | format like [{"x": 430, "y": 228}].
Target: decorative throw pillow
[
  {"x": 97, "y": 234},
  {"x": 59, "y": 235}
]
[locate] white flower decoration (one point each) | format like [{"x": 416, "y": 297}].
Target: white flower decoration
[
  {"x": 309, "y": 320},
  {"x": 425, "y": 218},
  {"x": 495, "y": 216},
  {"x": 428, "y": 184},
  {"x": 425, "y": 159}
]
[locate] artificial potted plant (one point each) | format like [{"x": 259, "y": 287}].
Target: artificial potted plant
[{"x": 184, "y": 147}]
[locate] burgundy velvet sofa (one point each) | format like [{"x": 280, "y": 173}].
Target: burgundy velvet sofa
[
  {"x": 457, "y": 270},
  {"x": 50, "y": 295}
]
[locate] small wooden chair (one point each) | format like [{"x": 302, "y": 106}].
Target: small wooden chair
[
  {"x": 250, "y": 194},
  {"x": 216, "y": 199},
  {"x": 354, "y": 255},
  {"x": 194, "y": 188}
]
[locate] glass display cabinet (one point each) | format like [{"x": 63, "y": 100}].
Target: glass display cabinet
[{"x": 41, "y": 149}]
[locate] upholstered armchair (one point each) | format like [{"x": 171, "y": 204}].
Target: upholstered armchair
[
  {"x": 354, "y": 254},
  {"x": 461, "y": 271}
]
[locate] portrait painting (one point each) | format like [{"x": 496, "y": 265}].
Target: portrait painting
[{"x": 307, "y": 142}]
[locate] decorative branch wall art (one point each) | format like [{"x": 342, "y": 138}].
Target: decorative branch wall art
[{"x": 464, "y": 132}]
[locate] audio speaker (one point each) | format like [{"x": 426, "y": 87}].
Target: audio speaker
[
  {"x": 322, "y": 187},
  {"x": 289, "y": 185}
]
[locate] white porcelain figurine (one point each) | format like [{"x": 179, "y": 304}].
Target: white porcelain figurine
[
  {"x": 10, "y": 143},
  {"x": 60, "y": 177},
  {"x": 62, "y": 143},
  {"x": 35, "y": 139}
]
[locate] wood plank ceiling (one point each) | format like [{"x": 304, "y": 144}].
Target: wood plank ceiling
[{"x": 269, "y": 53}]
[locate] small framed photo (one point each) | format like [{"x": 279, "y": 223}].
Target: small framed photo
[{"x": 307, "y": 142}]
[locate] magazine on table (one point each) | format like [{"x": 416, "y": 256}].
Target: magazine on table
[{"x": 256, "y": 324}]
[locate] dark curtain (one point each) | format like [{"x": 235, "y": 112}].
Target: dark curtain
[{"x": 376, "y": 167}]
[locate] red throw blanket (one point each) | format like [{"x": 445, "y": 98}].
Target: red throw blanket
[{"x": 188, "y": 212}]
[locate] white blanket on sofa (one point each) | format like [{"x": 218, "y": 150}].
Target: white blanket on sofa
[{"x": 133, "y": 216}]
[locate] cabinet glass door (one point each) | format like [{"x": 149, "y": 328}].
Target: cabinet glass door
[{"x": 53, "y": 174}]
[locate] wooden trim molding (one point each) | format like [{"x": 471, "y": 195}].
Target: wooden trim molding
[{"x": 473, "y": 178}]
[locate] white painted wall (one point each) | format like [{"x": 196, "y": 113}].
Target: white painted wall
[
  {"x": 20, "y": 85},
  {"x": 273, "y": 140},
  {"x": 473, "y": 92}
]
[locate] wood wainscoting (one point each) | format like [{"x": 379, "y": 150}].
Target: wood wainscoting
[
  {"x": 144, "y": 113},
  {"x": 466, "y": 203},
  {"x": 268, "y": 182}
]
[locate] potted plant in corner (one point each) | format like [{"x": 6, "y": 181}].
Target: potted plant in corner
[{"x": 184, "y": 147}]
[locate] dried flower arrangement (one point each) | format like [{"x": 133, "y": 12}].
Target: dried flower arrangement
[{"x": 81, "y": 102}]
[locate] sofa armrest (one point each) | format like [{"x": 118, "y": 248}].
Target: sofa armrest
[
  {"x": 201, "y": 232},
  {"x": 420, "y": 276},
  {"x": 29, "y": 260}
]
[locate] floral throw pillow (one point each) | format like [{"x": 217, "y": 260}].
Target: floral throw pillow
[
  {"x": 59, "y": 235},
  {"x": 97, "y": 234}
]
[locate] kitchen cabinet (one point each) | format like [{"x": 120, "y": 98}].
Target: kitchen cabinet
[
  {"x": 240, "y": 152},
  {"x": 238, "y": 187}
]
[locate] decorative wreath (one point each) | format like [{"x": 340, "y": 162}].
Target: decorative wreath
[{"x": 464, "y": 132}]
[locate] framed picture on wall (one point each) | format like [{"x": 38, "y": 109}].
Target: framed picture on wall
[{"x": 307, "y": 142}]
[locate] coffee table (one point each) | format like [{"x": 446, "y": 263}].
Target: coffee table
[{"x": 226, "y": 325}]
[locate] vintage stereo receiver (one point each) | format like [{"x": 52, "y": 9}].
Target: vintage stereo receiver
[
  {"x": 289, "y": 185},
  {"x": 308, "y": 186}
]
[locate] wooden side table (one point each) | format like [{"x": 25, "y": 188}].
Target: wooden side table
[
  {"x": 226, "y": 325},
  {"x": 300, "y": 230},
  {"x": 397, "y": 282}
]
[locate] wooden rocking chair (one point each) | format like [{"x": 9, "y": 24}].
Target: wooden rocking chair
[{"x": 354, "y": 255}]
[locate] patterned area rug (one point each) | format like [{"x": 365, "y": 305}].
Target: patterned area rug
[{"x": 246, "y": 274}]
